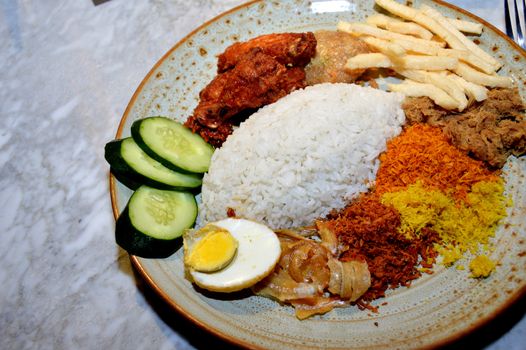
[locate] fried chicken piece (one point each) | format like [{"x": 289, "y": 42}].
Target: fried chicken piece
[
  {"x": 256, "y": 80},
  {"x": 290, "y": 49},
  {"x": 215, "y": 137},
  {"x": 251, "y": 75}
]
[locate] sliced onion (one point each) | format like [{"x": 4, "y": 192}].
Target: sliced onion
[
  {"x": 317, "y": 306},
  {"x": 349, "y": 279},
  {"x": 298, "y": 259},
  {"x": 307, "y": 269},
  {"x": 328, "y": 237},
  {"x": 282, "y": 287},
  {"x": 346, "y": 288},
  {"x": 362, "y": 279},
  {"x": 335, "y": 281}
]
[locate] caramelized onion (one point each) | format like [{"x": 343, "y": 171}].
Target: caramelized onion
[
  {"x": 356, "y": 279},
  {"x": 298, "y": 259},
  {"x": 328, "y": 237},
  {"x": 335, "y": 282},
  {"x": 307, "y": 308},
  {"x": 308, "y": 270},
  {"x": 361, "y": 279},
  {"x": 280, "y": 285},
  {"x": 349, "y": 279},
  {"x": 286, "y": 290},
  {"x": 346, "y": 288}
]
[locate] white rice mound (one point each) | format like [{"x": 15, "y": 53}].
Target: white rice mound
[{"x": 297, "y": 159}]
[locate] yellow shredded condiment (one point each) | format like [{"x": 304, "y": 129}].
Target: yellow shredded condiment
[
  {"x": 462, "y": 226},
  {"x": 481, "y": 266}
]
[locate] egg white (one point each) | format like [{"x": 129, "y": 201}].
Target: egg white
[{"x": 257, "y": 253}]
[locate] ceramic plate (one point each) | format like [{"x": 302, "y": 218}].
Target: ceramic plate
[{"x": 435, "y": 310}]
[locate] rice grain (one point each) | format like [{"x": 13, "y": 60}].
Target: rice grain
[{"x": 308, "y": 153}]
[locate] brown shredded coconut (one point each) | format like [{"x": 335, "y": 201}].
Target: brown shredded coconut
[
  {"x": 423, "y": 153},
  {"x": 368, "y": 230}
]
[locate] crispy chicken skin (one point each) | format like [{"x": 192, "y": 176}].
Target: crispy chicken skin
[
  {"x": 252, "y": 75},
  {"x": 295, "y": 49},
  {"x": 215, "y": 137}
]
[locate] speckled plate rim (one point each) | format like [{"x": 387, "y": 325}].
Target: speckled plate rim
[{"x": 514, "y": 298}]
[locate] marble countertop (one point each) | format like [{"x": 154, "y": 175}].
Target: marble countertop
[{"x": 68, "y": 69}]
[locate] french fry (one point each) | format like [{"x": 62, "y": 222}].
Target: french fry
[
  {"x": 478, "y": 62},
  {"x": 409, "y": 28},
  {"x": 440, "y": 30},
  {"x": 379, "y": 20},
  {"x": 397, "y": 26},
  {"x": 463, "y": 55},
  {"x": 414, "y": 89},
  {"x": 397, "y": 56},
  {"x": 468, "y": 57},
  {"x": 451, "y": 53},
  {"x": 419, "y": 17},
  {"x": 366, "y": 29},
  {"x": 368, "y": 60},
  {"x": 474, "y": 91},
  {"x": 438, "y": 24},
  {"x": 466, "y": 26},
  {"x": 397, "y": 9},
  {"x": 427, "y": 65},
  {"x": 428, "y": 62},
  {"x": 480, "y": 78},
  {"x": 470, "y": 45},
  {"x": 418, "y": 48},
  {"x": 441, "y": 81},
  {"x": 386, "y": 47}
]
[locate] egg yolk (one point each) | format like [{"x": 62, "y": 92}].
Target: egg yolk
[{"x": 213, "y": 252}]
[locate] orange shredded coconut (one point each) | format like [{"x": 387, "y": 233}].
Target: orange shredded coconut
[{"x": 422, "y": 152}]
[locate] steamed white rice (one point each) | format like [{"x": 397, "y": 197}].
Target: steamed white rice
[{"x": 297, "y": 159}]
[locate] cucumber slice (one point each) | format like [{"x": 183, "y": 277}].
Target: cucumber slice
[
  {"x": 153, "y": 220},
  {"x": 172, "y": 144},
  {"x": 126, "y": 179},
  {"x": 129, "y": 161}
]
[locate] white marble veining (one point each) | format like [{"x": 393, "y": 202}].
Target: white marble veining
[{"x": 68, "y": 69}]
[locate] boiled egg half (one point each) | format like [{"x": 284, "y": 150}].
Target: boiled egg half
[{"x": 230, "y": 255}]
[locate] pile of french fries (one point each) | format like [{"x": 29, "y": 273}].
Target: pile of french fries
[{"x": 430, "y": 51}]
